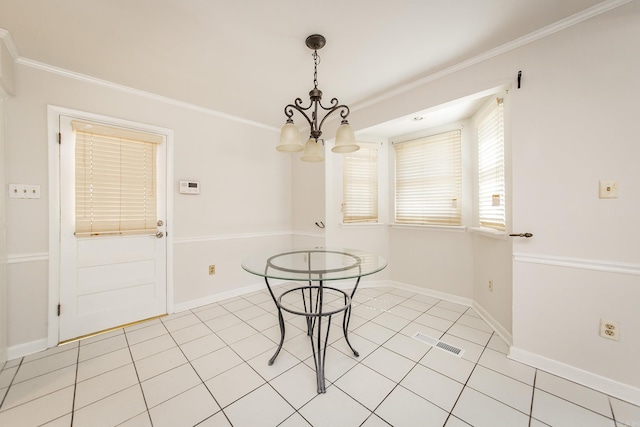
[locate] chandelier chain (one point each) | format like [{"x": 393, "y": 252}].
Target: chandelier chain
[{"x": 315, "y": 68}]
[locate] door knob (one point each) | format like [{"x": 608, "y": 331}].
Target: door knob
[{"x": 159, "y": 234}]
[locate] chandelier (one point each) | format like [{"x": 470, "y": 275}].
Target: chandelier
[{"x": 290, "y": 140}]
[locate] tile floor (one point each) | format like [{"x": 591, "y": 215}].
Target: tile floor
[{"x": 208, "y": 367}]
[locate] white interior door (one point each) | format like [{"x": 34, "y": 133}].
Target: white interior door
[{"x": 108, "y": 280}]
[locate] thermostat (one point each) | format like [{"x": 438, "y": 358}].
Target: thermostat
[{"x": 189, "y": 187}]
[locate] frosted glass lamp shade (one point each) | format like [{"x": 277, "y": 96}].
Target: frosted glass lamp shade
[
  {"x": 345, "y": 139},
  {"x": 312, "y": 151},
  {"x": 290, "y": 140}
]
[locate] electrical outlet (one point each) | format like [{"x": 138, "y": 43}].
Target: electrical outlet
[
  {"x": 610, "y": 329},
  {"x": 212, "y": 270},
  {"x": 491, "y": 285},
  {"x": 608, "y": 189}
]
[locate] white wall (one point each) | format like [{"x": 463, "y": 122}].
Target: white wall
[
  {"x": 6, "y": 89},
  {"x": 245, "y": 204},
  {"x": 573, "y": 122},
  {"x": 3, "y": 240},
  {"x": 308, "y": 201}
]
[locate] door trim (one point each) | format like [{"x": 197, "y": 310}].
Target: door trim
[{"x": 53, "y": 112}]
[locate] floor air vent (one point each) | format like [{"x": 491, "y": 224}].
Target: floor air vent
[{"x": 438, "y": 344}]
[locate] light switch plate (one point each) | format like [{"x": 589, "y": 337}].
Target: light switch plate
[
  {"x": 608, "y": 190},
  {"x": 24, "y": 191}
]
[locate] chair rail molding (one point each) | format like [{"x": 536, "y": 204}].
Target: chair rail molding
[
  {"x": 32, "y": 257},
  {"x": 580, "y": 263}
]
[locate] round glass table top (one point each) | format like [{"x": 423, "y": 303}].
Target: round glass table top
[{"x": 315, "y": 264}]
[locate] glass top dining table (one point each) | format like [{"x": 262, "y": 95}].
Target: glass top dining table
[{"x": 315, "y": 264}]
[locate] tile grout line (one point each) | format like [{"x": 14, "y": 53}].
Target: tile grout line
[
  {"x": 200, "y": 377},
  {"x": 75, "y": 386},
  {"x": 533, "y": 392},
  {"x": 144, "y": 398},
  {"x": 465, "y": 385},
  {"x": 10, "y": 383},
  {"x": 359, "y": 361},
  {"x": 415, "y": 363}
]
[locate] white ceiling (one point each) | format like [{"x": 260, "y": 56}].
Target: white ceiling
[{"x": 247, "y": 58}]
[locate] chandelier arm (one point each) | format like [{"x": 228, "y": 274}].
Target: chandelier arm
[
  {"x": 344, "y": 112},
  {"x": 288, "y": 111},
  {"x": 299, "y": 106}
]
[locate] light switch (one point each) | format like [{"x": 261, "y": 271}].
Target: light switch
[
  {"x": 608, "y": 189},
  {"x": 24, "y": 191}
]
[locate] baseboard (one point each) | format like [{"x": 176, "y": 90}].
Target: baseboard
[
  {"x": 210, "y": 299},
  {"x": 506, "y": 336},
  {"x": 468, "y": 302},
  {"x": 605, "y": 385},
  {"x": 26, "y": 349}
]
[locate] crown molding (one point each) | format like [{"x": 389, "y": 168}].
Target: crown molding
[
  {"x": 137, "y": 92},
  {"x": 565, "y": 23},
  {"x": 5, "y": 36},
  {"x": 596, "y": 10}
]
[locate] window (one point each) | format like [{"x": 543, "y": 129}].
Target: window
[
  {"x": 115, "y": 180},
  {"x": 360, "y": 185},
  {"x": 491, "y": 179},
  {"x": 428, "y": 186}
]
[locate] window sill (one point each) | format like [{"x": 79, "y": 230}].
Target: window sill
[
  {"x": 361, "y": 224},
  {"x": 454, "y": 228},
  {"x": 487, "y": 232}
]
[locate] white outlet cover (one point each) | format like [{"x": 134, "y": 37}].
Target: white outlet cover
[
  {"x": 610, "y": 329},
  {"x": 608, "y": 189}
]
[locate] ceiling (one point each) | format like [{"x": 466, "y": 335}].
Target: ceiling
[{"x": 247, "y": 58}]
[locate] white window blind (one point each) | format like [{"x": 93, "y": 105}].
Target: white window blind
[
  {"x": 115, "y": 180},
  {"x": 360, "y": 185},
  {"x": 491, "y": 175},
  {"x": 429, "y": 180}
]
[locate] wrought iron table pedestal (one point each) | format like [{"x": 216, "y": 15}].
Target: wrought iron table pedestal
[{"x": 315, "y": 311}]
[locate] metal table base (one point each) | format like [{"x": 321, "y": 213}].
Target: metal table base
[{"x": 312, "y": 297}]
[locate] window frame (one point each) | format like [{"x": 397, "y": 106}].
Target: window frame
[{"x": 491, "y": 174}]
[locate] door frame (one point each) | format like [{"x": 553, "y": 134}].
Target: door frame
[{"x": 53, "y": 112}]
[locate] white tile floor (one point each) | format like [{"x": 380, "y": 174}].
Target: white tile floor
[{"x": 208, "y": 367}]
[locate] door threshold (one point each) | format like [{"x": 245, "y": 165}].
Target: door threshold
[{"x": 104, "y": 331}]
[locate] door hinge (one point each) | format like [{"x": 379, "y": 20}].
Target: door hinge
[
  {"x": 58, "y": 310},
  {"x": 59, "y": 138}
]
